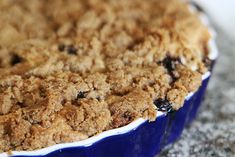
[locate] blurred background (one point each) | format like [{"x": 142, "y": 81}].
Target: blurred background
[
  {"x": 222, "y": 12},
  {"x": 212, "y": 134}
]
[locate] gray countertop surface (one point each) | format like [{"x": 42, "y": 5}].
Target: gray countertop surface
[{"x": 213, "y": 132}]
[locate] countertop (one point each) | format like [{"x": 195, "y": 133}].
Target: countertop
[{"x": 213, "y": 132}]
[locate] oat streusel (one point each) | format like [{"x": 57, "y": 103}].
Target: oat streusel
[{"x": 70, "y": 69}]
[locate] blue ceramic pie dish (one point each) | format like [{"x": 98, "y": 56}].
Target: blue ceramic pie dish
[{"x": 138, "y": 139}]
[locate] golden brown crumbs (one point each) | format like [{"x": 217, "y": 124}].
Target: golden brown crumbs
[{"x": 70, "y": 69}]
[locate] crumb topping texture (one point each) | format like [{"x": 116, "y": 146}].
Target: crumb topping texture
[{"x": 70, "y": 69}]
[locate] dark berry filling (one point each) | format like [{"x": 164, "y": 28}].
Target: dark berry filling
[
  {"x": 98, "y": 98},
  {"x": 15, "y": 59},
  {"x": 81, "y": 95},
  {"x": 61, "y": 47},
  {"x": 71, "y": 50},
  {"x": 170, "y": 64},
  {"x": 163, "y": 105},
  {"x": 207, "y": 62}
]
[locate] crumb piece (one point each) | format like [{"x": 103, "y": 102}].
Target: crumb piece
[{"x": 136, "y": 104}]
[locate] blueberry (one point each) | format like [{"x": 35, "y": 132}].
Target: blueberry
[
  {"x": 61, "y": 47},
  {"x": 163, "y": 105},
  {"x": 170, "y": 64},
  {"x": 15, "y": 59},
  {"x": 207, "y": 62},
  {"x": 80, "y": 95},
  {"x": 71, "y": 50},
  {"x": 98, "y": 98}
]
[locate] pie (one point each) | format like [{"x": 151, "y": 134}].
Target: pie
[{"x": 71, "y": 69}]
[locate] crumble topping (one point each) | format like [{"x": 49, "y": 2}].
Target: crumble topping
[{"x": 70, "y": 69}]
